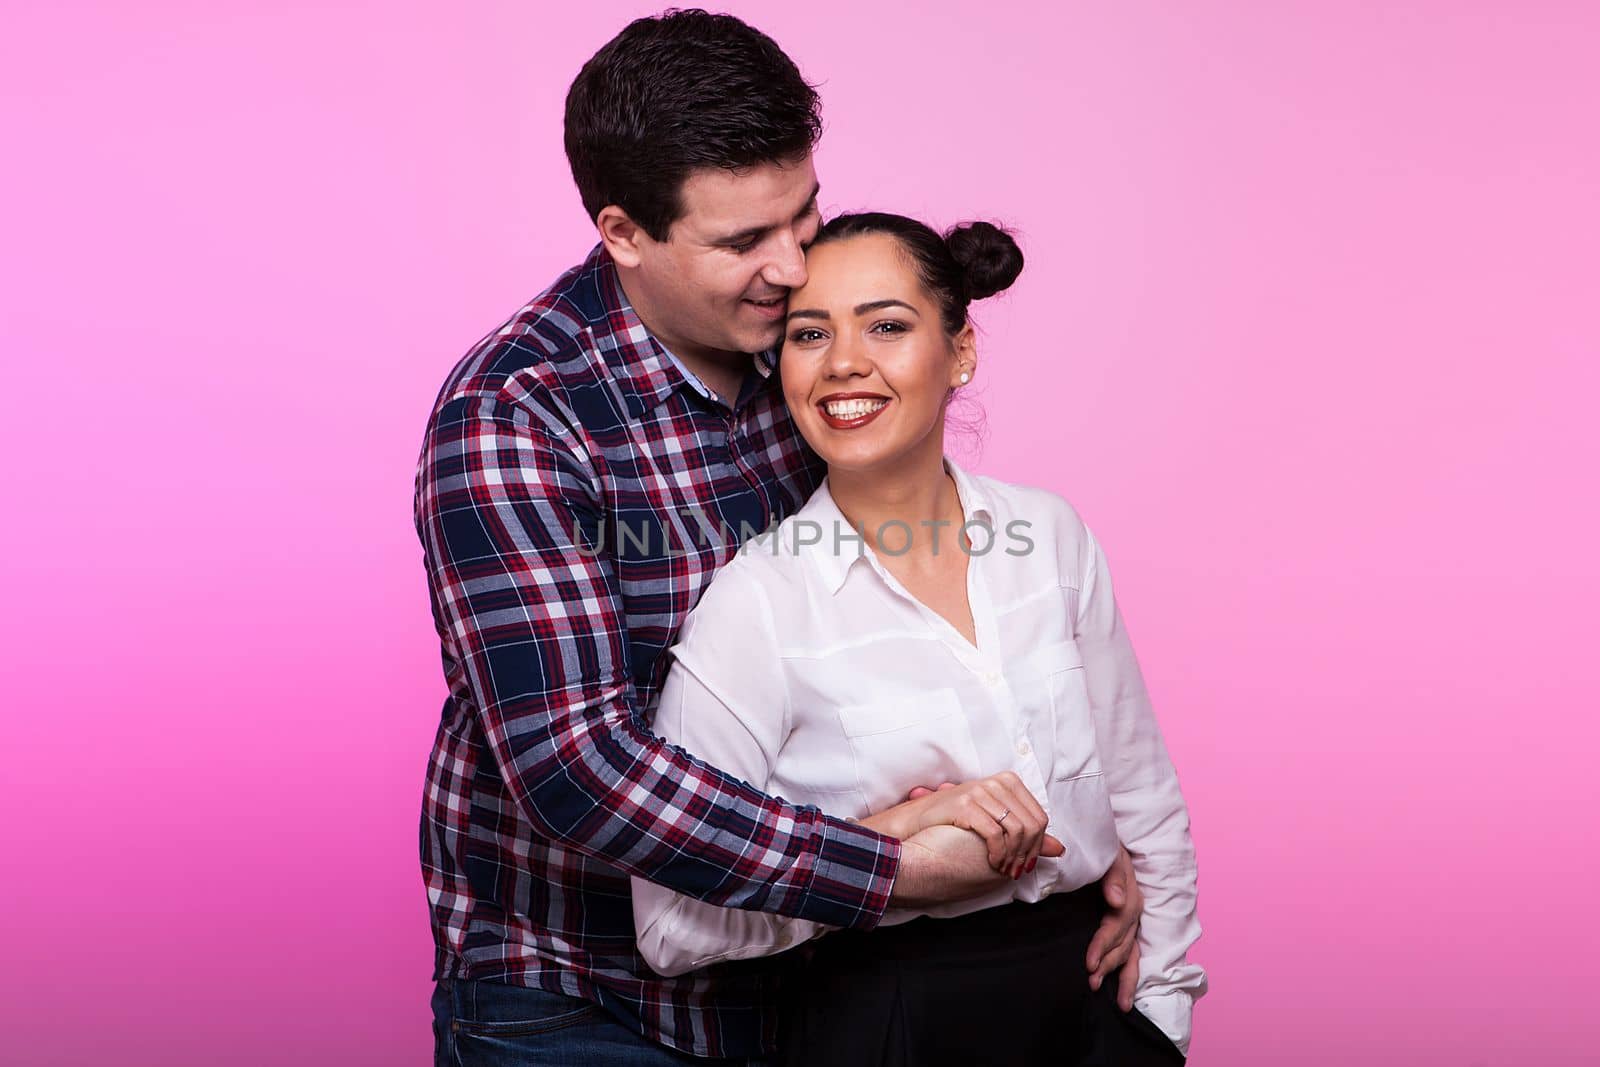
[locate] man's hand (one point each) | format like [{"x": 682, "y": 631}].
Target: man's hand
[
  {"x": 999, "y": 809},
  {"x": 941, "y": 864},
  {"x": 1116, "y": 943}
]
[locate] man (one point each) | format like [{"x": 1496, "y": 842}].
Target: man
[{"x": 586, "y": 470}]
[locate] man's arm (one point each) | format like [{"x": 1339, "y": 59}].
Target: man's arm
[{"x": 535, "y": 621}]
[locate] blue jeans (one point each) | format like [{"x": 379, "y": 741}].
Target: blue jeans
[{"x": 490, "y": 1024}]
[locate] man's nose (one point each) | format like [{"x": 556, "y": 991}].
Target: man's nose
[{"x": 787, "y": 267}]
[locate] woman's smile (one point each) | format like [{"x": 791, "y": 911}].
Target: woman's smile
[{"x": 850, "y": 411}]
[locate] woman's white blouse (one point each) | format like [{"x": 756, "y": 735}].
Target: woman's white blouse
[{"x": 809, "y": 671}]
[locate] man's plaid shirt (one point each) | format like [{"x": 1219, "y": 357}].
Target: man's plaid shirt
[{"x": 575, "y": 494}]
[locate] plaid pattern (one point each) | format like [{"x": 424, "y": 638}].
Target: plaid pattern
[{"x": 574, "y": 497}]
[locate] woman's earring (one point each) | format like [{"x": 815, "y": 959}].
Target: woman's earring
[{"x": 965, "y": 377}]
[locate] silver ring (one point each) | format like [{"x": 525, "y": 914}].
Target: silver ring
[{"x": 1003, "y": 815}]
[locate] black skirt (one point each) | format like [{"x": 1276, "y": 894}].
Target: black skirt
[{"x": 1004, "y": 986}]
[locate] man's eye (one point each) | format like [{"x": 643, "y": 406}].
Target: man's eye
[{"x": 744, "y": 246}]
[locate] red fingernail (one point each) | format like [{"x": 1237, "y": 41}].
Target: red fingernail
[{"x": 1031, "y": 865}]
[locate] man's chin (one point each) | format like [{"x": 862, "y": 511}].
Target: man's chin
[{"x": 763, "y": 340}]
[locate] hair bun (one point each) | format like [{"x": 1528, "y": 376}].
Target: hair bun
[{"x": 989, "y": 257}]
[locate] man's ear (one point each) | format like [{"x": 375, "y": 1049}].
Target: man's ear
[{"x": 620, "y": 234}]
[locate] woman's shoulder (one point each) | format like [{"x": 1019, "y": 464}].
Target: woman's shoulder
[
  {"x": 1036, "y": 506},
  {"x": 1043, "y": 532},
  {"x": 756, "y": 583}
]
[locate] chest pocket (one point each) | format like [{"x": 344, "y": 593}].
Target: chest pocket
[
  {"x": 922, "y": 739},
  {"x": 1076, "y": 751}
]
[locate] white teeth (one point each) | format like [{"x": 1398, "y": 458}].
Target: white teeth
[{"x": 852, "y": 409}]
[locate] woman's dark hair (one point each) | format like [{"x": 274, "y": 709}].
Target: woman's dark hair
[
  {"x": 675, "y": 93},
  {"x": 971, "y": 261}
]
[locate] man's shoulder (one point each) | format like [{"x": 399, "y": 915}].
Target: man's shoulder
[{"x": 540, "y": 354}]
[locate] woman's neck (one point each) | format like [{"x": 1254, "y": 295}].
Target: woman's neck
[{"x": 917, "y": 492}]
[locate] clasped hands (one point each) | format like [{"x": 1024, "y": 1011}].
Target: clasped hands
[{"x": 937, "y": 828}]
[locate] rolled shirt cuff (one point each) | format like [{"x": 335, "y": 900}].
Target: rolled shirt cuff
[
  {"x": 853, "y": 875},
  {"x": 1172, "y": 1013}
]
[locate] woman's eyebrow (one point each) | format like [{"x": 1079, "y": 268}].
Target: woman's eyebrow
[
  {"x": 860, "y": 309},
  {"x": 879, "y": 305}
]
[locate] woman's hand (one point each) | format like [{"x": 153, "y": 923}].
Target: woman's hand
[
  {"x": 999, "y": 809},
  {"x": 1116, "y": 942}
]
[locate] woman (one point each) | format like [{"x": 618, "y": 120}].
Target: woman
[{"x": 913, "y": 625}]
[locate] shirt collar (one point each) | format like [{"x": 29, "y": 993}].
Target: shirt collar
[
  {"x": 765, "y": 363},
  {"x": 840, "y": 547},
  {"x": 641, "y": 366}
]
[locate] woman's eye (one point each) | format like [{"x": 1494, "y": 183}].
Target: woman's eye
[
  {"x": 805, "y": 336},
  {"x": 888, "y": 326}
]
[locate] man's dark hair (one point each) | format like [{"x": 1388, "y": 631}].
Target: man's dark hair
[{"x": 675, "y": 93}]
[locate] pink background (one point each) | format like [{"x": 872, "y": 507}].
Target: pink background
[{"x": 1308, "y": 333}]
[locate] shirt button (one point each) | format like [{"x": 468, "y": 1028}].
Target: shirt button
[
  {"x": 991, "y": 678},
  {"x": 1023, "y": 748}
]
